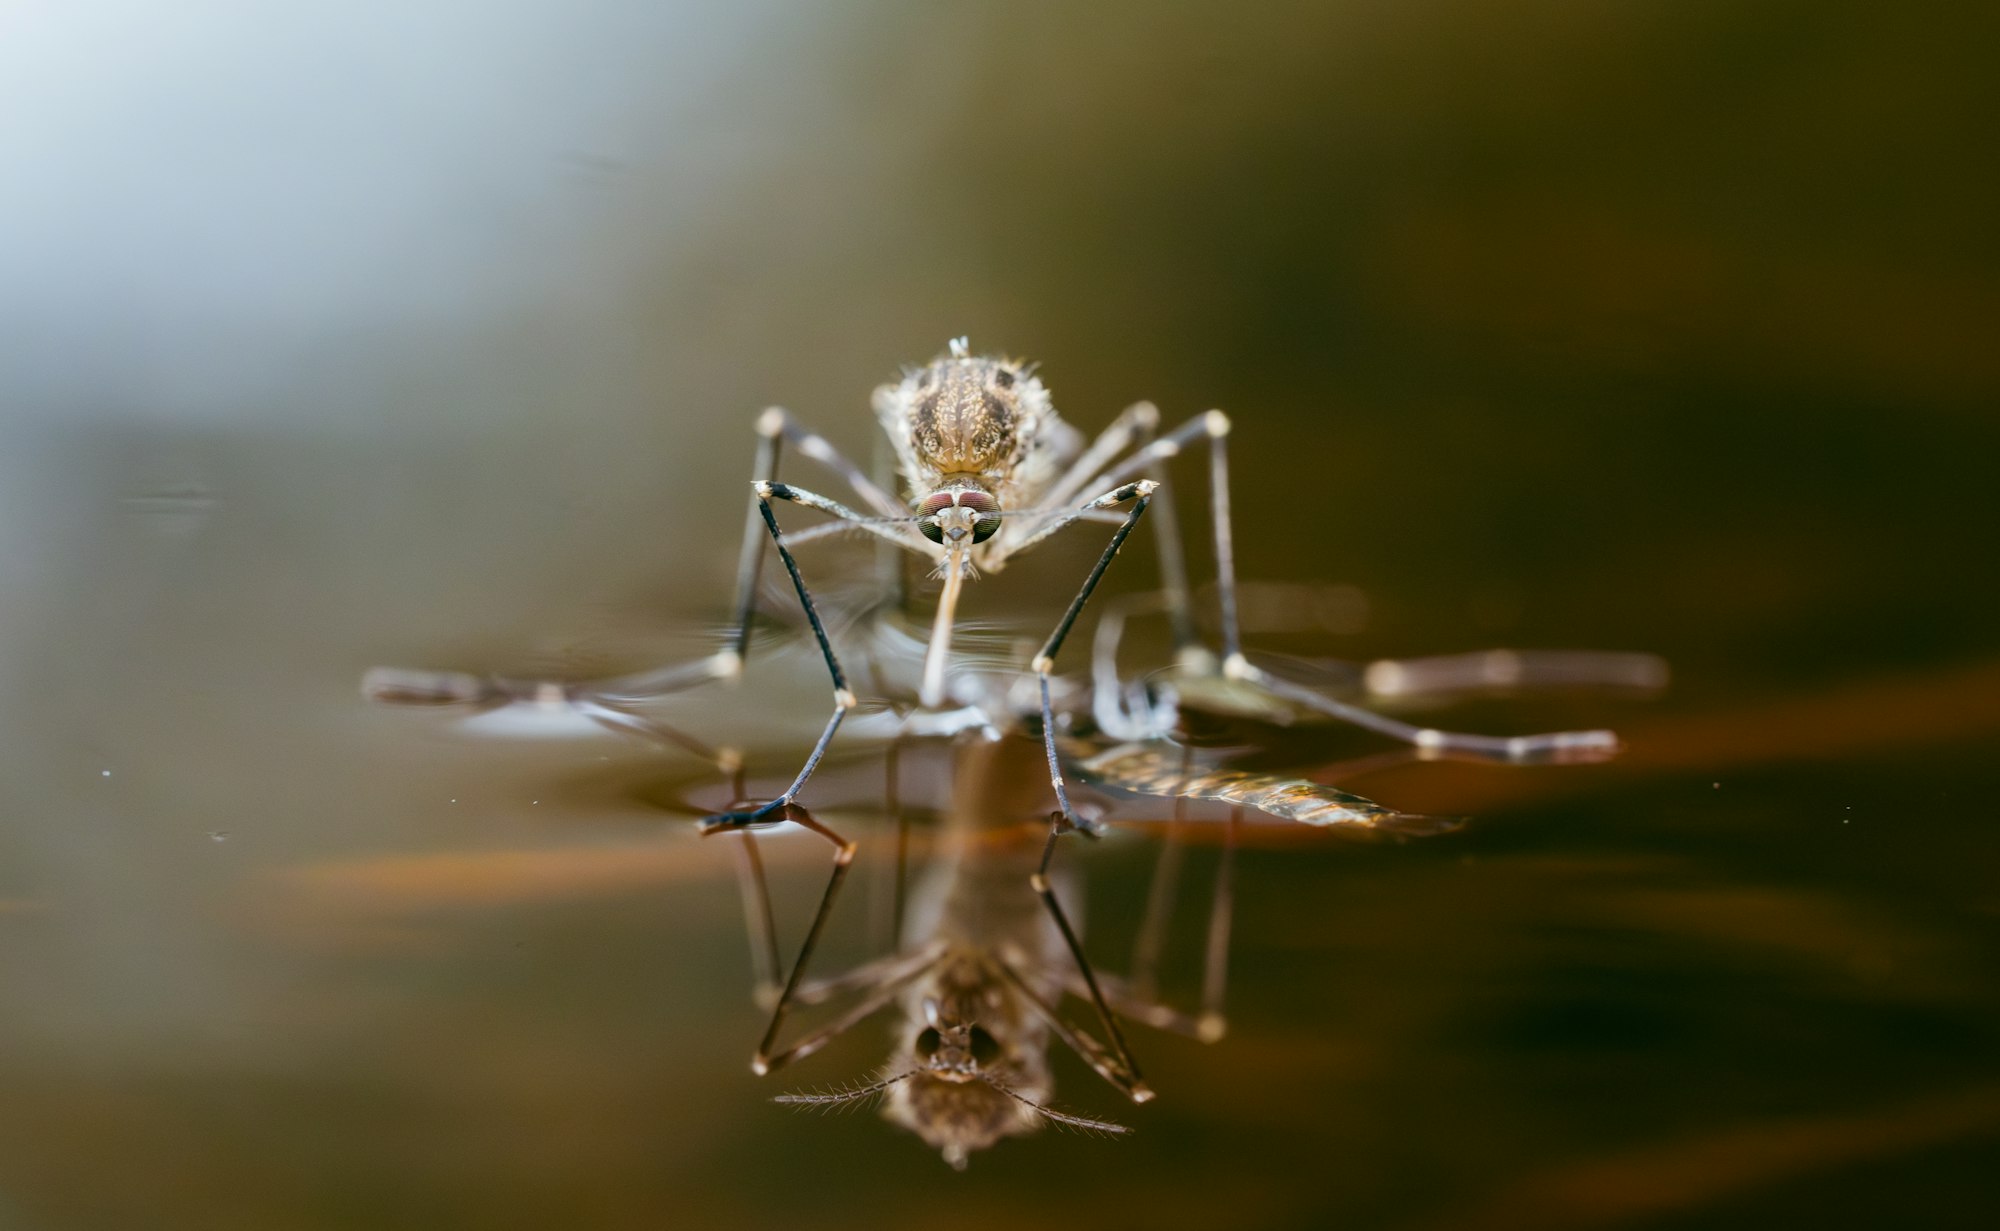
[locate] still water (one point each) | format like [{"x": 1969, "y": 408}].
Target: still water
[{"x": 337, "y": 343}]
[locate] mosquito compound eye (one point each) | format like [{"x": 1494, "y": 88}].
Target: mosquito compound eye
[
  {"x": 983, "y": 528},
  {"x": 985, "y": 1048},
  {"x": 932, "y": 531},
  {"x": 928, "y": 1043}
]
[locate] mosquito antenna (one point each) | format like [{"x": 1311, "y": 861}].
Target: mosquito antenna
[
  {"x": 1081, "y": 1123},
  {"x": 841, "y": 1096}
]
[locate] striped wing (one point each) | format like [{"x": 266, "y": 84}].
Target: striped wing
[{"x": 1154, "y": 767}]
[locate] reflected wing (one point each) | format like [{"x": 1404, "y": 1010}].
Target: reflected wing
[{"x": 1156, "y": 767}]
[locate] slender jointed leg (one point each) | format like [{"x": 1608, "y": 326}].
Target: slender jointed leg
[
  {"x": 1432, "y": 744},
  {"x": 879, "y": 980},
  {"x": 1215, "y": 960},
  {"x": 610, "y": 702},
  {"x": 1212, "y": 427},
  {"x": 1113, "y": 1060},
  {"x": 843, "y": 697},
  {"x": 1559, "y": 747},
  {"x": 1160, "y": 894},
  {"x": 843, "y": 857},
  {"x": 758, "y": 922},
  {"x": 1446, "y": 675},
  {"x": 1139, "y": 493},
  {"x": 1138, "y": 996}
]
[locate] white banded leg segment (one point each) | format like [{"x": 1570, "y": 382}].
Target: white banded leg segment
[
  {"x": 902, "y": 531},
  {"x": 1111, "y": 499},
  {"x": 779, "y": 422},
  {"x": 774, "y": 426},
  {"x": 1213, "y": 427},
  {"x": 1552, "y": 748},
  {"x": 1137, "y": 423},
  {"x": 602, "y": 701},
  {"x": 1506, "y": 670}
]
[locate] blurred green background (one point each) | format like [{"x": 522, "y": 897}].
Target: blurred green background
[{"x": 336, "y": 336}]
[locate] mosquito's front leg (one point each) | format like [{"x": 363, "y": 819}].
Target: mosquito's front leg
[
  {"x": 843, "y": 697},
  {"x": 1139, "y": 493}
]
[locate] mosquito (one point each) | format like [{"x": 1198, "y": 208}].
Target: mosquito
[{"x": 990, "y": 471}]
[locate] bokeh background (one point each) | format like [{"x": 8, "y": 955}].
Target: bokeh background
[{"x": 333, "y": 335}]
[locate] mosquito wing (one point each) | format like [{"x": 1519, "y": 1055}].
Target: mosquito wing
[{"x": 1157, "y": 767}]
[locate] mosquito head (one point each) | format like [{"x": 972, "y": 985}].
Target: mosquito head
[
  {"x": 957, "y": 1096},
  {"x": 961, "y": 513},
  {"x": 958, "y": 1085},
  {"x": 954, "y": 1051}
]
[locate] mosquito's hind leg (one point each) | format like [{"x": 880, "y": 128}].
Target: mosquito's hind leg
[
  {"x": 1432, "y": 744},
  {"x": 1448, "y": 675},
  {"x": 1559, "y": 747},
  {"x": 1213, "y": 428}
]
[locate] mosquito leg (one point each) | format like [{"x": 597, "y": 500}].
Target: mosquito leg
[
  {"x": 1431, "y": 744},
  {"x": 882, "y": 978},
  {"x": 442, "y": 689},
  {"x": 1135, "y": 424},
  {"x": 758, "y": 921},
  {"x": 1160, "y": 895},
  {"x": 843, "y": 858},
  {"x": 1139, "y": 493},
  {"x": 843, "y": 697},
  {"x": 1214, "y": 428},
  {"x": 1120, "y": 709},
  {"x": 1174, "y": 591},
  {"x": 1447, "y": 674},
  {"x": 1123, "y": 1070},
  {"x": 1079, "y": 1041},
  {"x": 885, "y": 983},
  {"x": 902, "y": 846},
  {"x": 773, "y": 426},
  {"x": 1212, "y": 1024},
  {"x": 886, "y": 907}
]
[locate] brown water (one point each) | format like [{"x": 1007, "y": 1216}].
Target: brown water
[{"x": 335, "y": 342}]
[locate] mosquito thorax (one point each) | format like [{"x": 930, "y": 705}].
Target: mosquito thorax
[
  {"x": 961, "y": 511},
  {"x": 982, "y": 423}
]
